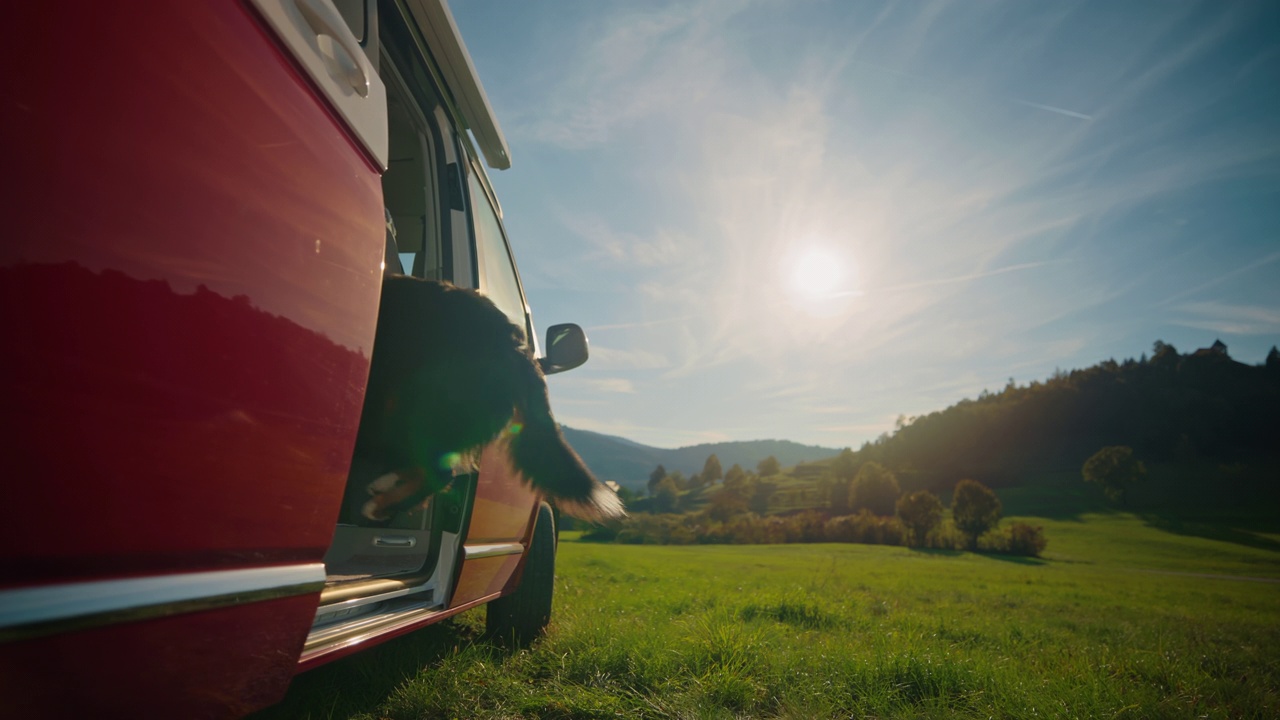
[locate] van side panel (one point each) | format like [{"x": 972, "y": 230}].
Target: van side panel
[
  {"x": 176, "y": 667},
  {"x": 189, "y": 284},
  {"x": 505, "y": 509}
]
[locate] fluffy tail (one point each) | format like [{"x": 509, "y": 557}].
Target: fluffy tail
[{"x": 541, "y": 453}]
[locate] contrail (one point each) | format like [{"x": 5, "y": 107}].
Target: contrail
[
  {"x": 644, "y": 323},
  {"x": 1267, "y": 260},
  {"x": 1052, "y": 109},
  {"x": 966, "y": 278}
]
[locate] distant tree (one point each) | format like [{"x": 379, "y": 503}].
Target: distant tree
[
  {"x": 768, "y": 466},
  {"x": 874, "y": 488},
  {"x": 845, "y": 465},
  {"x": 975, "y": 509},
  {"x": 1273, "y": 359},
  {"x": 761, "y": 494},
  {"x": 711, "y": 471},
  {"x": 681, "y": 482},
  {"x": 666, "y": 496},
  {"x": 655, "y": 477},
  {"x": 826, "y": 488},
  {"x": 1163, "y": 354},
  {"x": 626, "y": 495},
  {"x": 1115, "y": 469},
  {"x": 736, "y": 476},
  {"x": 727, "y": 502},
  {"x": 921, "y": 511}
]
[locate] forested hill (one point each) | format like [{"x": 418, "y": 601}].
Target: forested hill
[
  {"x": 1198, "y": 407},
  {"x": 630, "y": 463}
]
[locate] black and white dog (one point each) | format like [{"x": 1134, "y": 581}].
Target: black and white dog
[{"x": 450, "y": 373}]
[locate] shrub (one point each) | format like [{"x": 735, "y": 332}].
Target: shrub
[
  {"x": 1017, "y": 539},
  {"x": 655, "y": 530},
  {"x": 1115, "y": 469},
  {"x": 946, "y": 537},
  {"x": 975, "y": 509},
  {"x": 1026, "y": 539},
  {"x": 921, "y": 511},
  {"x": 602, "y": 533},
  {"x": 750, "y": 529},
  {"x": 865, "y": 527}
]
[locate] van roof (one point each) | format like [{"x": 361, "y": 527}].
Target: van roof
[{"x": 435, "y": 22}]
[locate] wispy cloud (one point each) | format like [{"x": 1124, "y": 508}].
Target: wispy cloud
[
  {"x": 609, "y": 359},
  {"x": 643, "y": 61},
  {"x": 661, "y": 249},
  {"x": 1230, "y": 319},
  {"x": 1220, "y": 279},
  {"x": 611, "y": 385}
]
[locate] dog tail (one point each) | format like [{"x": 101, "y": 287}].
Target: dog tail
[{"x": 542, "y": 454}]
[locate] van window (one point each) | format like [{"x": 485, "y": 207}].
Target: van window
[
  {"x": 497, "y": 271},
  {"x": 411, "y": 185},
  {"x": 355, "y": 13}
]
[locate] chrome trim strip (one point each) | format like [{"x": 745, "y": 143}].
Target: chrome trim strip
[
  {"x": 365, "y": 626},
  {"x": 48, "y": 609},
  {"x": 426, "y": 588},
  {"x": 476, "y": 552}
]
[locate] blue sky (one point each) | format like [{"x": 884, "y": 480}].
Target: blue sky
[{"x": 800, "y": 220}]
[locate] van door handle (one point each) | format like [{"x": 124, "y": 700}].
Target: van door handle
[
  {"x": 397, "y": 541},
  {"x": 314, "y": 34},
  {"x": 337, "y": 45}
]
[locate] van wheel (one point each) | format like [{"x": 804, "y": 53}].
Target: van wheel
[{"x": 523, "y": 615}]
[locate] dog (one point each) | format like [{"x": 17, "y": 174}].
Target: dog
[{"x": 450, "y": 374}]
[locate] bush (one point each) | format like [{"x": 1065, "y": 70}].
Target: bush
[
  {"x": 1026, "y": 539},
  {"x": 1116, "y": 470},
  {"x": 921, "y": 511},
  {"x": 807, "y": 527},
  {"x": 1017, "y": 539},
  {"x": 655, "y": 530},
  {"x": 946, "y": 536},
  {"x": 975, "y": 509},
  {"x": 602, "y": 533},
  {"x": 867, "y": 528}
]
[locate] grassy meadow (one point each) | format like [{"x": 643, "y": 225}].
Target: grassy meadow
[{"x": 1122, "y": 617}]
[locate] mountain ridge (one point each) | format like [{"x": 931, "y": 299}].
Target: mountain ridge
[{"x": 629, "y": 463}]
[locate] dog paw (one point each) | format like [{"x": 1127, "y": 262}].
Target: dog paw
[
  {"x": 386, "y": 483},
  {"x": 393, "y": 493}
]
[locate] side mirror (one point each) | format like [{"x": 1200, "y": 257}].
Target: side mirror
[{"x": 566, "y": 348}]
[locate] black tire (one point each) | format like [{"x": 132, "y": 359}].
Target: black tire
[{"x": 523, "y": 615}]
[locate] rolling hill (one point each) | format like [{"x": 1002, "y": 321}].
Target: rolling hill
[{"x": 629, "y": 463}]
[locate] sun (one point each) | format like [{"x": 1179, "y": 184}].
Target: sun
[{"x": 819, "y": 274}]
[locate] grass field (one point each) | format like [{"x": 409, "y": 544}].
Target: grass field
[{"x": 1121, "y": 618}]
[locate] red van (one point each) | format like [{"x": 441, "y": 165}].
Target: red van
[{"x": 201, "y": 201}]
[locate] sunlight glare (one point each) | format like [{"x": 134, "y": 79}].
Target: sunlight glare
[{"x": 819, "y": 274}]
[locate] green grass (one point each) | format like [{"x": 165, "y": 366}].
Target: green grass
[{"x": 1102, "y": 626}]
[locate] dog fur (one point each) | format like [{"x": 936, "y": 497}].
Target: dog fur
[{"x": 450, "y": 374}]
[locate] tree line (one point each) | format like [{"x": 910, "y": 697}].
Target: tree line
[
  {"x": 871, "y": 508},
  {"x": 1201, "y": 407}
]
